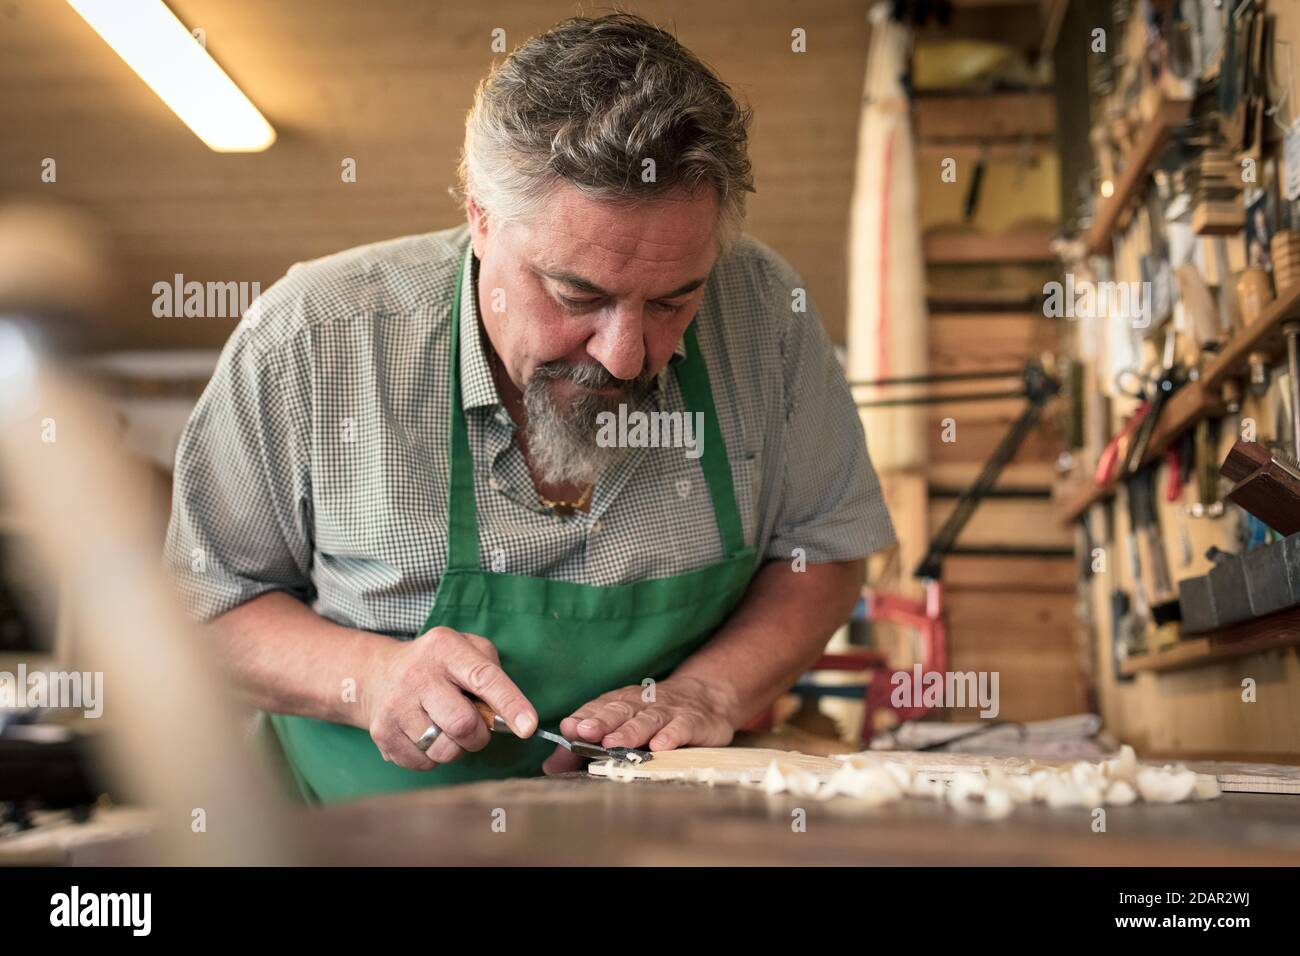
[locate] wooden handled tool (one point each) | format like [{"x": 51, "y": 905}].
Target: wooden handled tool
[
  {"x": 489, "y": 715},
  {"x": 495, "y": 723},
  {"x": 1198, "y": 303},
  {"x": 1160, "y": 592}
]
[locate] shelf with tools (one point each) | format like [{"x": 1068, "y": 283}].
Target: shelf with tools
[
  {"x": 1200, "y": 398},
  {"x": 1263, "y": 337},
  {"x": 1154, "y": 136},
  {"x": 1181, "y": 210},
  {"x": 1188, "y": 405},
  {"x": 1270, "y": 633},
  {"x": 1196, "y": 399}
]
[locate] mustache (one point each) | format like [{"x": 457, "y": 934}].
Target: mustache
[{"x": 590, "y": 375}]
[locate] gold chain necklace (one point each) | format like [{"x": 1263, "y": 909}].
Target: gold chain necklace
[{"x": 566, "y": 508}]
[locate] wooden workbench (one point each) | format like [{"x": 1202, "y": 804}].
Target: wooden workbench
[{"x": 576, "y": 819}]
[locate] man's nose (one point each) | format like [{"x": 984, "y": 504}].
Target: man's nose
[{"x": 619, "y": 343}]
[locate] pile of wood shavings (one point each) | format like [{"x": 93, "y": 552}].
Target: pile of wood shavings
[{"x": 992, "y": 793}]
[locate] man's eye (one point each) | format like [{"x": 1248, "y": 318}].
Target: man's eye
[
  {"x": 576, "y": 303},
  {"x": 668, "y": 307}
]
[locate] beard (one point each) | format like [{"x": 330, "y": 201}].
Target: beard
[{"x": 562, "y": 433}]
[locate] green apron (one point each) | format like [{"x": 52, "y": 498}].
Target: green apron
[{"x": 562, "y": 643}]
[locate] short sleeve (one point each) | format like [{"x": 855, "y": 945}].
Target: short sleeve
[
  {"x": 832, "y": 506},
  {"x": 241, "y": 514}
]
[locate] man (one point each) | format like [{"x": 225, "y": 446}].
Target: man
[{"x": 412, "y": 483}]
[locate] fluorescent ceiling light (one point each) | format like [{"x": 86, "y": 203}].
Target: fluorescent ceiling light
[{"x": 157, "y": 46}]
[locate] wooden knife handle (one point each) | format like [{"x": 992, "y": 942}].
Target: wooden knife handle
[{"x": 485, "y": 711}]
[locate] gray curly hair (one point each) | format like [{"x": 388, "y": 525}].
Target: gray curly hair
[{"x": 587, "y": 103}]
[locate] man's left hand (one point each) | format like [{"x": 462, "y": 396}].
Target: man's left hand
[{"x": 680, "y": 711}]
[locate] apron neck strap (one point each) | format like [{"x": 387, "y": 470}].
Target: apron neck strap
[
  {"x": 462, "y": 511},
  {"x": 692, "y": 376}
]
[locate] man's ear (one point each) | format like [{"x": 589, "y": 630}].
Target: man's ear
[{"x": 478, "y": 226}]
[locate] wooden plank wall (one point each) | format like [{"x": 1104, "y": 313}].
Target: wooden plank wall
[{"x": 386, "y": 83}]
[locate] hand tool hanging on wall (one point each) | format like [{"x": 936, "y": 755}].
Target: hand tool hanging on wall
[
  {"x": 1291, "y": 331},
  {"x": 1199, "y": 306},
  {"x": 1180, "y": 52},
  {"x": 1165, "y": 381},
  {"x": 1127, "y": 628},
  {"x": 1131, "y": 633},
  {"x": 1157, "y": 585},
  {"x": 1198, "y": 458},
  {"x": 1241, "y": 79},
  {"x": 1205, "y": 438},
  {"x": 1111, "y": 461},
  {"x": 1261, "y": 44},
  {"x": 976, "y": 182},
  {"x": 1229, "y": 308},
  {"x": 1074, "y": 396},
  {"x": 1154, "y": 263},
  {"x": 1208, "y": 17}
]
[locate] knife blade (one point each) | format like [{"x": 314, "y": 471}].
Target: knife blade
[
  {"x": 595, "y": 752},
  {"x": 497, "y": 725}
]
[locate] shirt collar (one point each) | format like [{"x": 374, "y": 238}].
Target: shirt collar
[{"x": 477, "y": 386}]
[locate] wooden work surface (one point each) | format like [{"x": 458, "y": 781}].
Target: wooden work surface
[{"x": 576, "y": 819}]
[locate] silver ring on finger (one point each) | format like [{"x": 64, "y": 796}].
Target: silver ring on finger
[{"x": 428, "y": 737}]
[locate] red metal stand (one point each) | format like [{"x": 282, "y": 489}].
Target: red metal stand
[{"x": 926, "y": 618}]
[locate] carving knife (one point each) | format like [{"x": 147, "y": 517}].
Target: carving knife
[
  {"x": 580, "y": 747},
  {"x": 594, "y": 752}
]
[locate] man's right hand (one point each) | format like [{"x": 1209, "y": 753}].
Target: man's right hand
[{"x": 412, "y": 684}]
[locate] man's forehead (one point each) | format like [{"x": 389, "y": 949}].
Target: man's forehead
[
  {"x": 670, "y": 237},
  {"x": 661, "y": 285}
]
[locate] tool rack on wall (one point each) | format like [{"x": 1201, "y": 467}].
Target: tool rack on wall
[{"x": 1158, "y": 108}]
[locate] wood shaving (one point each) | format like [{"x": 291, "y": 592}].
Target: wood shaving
[
  {"x": 1165, "y": 786},
  {"x": 787, "y": 779},
  {"x": 978, "y": 788},
  {"x": 1207, "y": 787},
  {"x": 1120, "y": 794}
]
